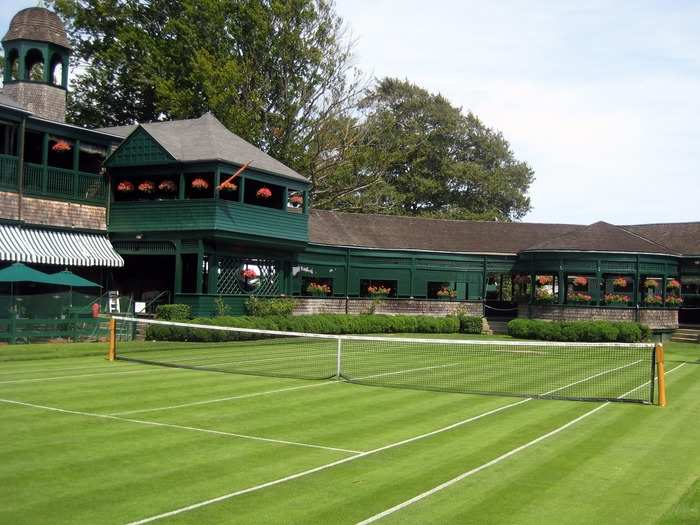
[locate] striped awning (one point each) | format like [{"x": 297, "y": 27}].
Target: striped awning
[{"x": 32, "y": 245}]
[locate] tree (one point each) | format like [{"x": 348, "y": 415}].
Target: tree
[
  {"x": 273, "y": 71},
  {"x": 419, "y": 155}
]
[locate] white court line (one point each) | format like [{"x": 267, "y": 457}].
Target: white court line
[
  {"x": 181, "y": 427},
  {"x": 495, "y": 461},
  {"x": 54, "y": 378},
  {"x": 358, "y": 456}
]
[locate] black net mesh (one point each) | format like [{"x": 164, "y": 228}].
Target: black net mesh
[{"x": 554, "y": 370}]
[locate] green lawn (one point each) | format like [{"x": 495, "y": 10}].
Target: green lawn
[{"x": 88, "y": 441}]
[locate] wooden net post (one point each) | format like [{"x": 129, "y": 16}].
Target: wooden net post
[
  {"x": 112, "y": 353},
  {"x": 661, "y": 371}
]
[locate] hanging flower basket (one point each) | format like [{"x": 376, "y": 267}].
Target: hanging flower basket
[
  {"x": 296, "y": 200},
  {"x": 650, "y": 283},
  {"x": 544, "y": 280},
  {"x": 200, "y": 184},
  {"x": 378, "y": 291},
  {"x": 248, "y": 273},
  {"x": 673, "y": 284},
  {"x": 125, "y": 187},
  {"x": 167, "y": 186},
  {"x": 620, "y": 282},
  {"x": 580, "y": 281},
  {"x": 147, "y": 187},
  {"x": 263, "y": 193},
  {"x": 228, "y": 186},
  {"x": 318, "y": 289},
  {"x": 61, "y": 146}
]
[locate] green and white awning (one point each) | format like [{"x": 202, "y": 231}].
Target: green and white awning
[{"x": 32, "y": 245}]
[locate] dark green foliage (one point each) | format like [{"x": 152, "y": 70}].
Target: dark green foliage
[
  {"x": 586, "y": 331},
  {"x": 319, "y": 324},
  {"x": 263, "y": 307},
  {"x": 470, "y": 324},
  {"x": 173, "y": 312}
]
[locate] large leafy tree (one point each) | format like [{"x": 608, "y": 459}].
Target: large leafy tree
[
  {"x": 273, "y": 71},
  {"x": 420, "y": 155}
]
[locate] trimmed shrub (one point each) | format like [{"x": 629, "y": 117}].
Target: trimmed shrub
[
  {"x": 469, "y": 324},
  {"x": 173, "y": 312},
  {"x": 579, "y": 331},
  {"x": 319, "y": 324},
  {"x": 264, "y": 307}
]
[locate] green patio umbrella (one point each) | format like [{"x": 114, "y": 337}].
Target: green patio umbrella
[
  {"x": 18, "y": 272},
  {"x": 66, "y": 278}
]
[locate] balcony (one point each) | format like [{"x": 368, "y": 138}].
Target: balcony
[
  {"x": 210, "y": 215},
  {"x": 57, "y": 183}
]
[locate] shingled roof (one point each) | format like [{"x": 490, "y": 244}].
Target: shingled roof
[
  {"x": 439, "y": 235},
  {"x": 207, "y": 139},
  {"x": 602, "y": 237},
  {"x": 11, "y": 103},
  {"x": 37, "y": 23},
  {"x": 682, "y": 237}
]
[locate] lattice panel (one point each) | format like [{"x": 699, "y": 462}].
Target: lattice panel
[
  {"x": 234, "y": 281},
  {"x": 139, "y": 149}
]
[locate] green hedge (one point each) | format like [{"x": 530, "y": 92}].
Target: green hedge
[
  {"x": 319, "y": 324},
  {"x": 265, "y": 307},
  {"x": 173, "y": 312},
  {"x": 586, "y": 331},
  {"x": 470, "y": 324}
]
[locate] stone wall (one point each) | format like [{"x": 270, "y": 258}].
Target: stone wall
[
  {"x": 654, "y": 318},
  {"x": 44, "y": 101},
  {"x": 53, "y": 213},
  {"x": 340, "y": 305}
]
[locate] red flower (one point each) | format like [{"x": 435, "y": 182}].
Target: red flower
[
  {"x": 228, "y": 186},
  {"x": 263, "y": 193},
  {"x": 296, "y": 199},
  {"x": 248, "y": 273},
  {"x": 620, "y": 282},
  {"x": 543, "y": 280},
  {"x": 147, "y": 187},
  {"x": 200, "y": 184},
  {"x": 673, "y": 284},
  {"x": 60, "y": 146},
  {"x": 125, "y": 187},
  {"x": 167, "y": 186},
  {"x": 580, "y": 281}
]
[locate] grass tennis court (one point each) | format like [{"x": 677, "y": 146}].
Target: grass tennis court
[{"x": 88, "y": 441}]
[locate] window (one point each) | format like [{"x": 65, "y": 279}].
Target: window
[
  {"x": 56, "y": 70},
  {"x": 377, "y": 288},
  {"x": 651, "y": 290},
  {"x": 32, "y": 147},
  {"x": 546, "y": 289},
  {"x": 34, "y": 65},
  {"x": 295, "y": 201},
  {"x": 199, "y": 186},
  {"x": 442, "y": 290},
  {"x": 578, "y": 289},
  {"x": 91, "y": 157},
  {"x": 8, "y": 138},
  {"x": 61, "y": 152},
  {"x": 264, "y": 194}
]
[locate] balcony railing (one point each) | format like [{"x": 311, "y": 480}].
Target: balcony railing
[{"x": 46, "y": 181}]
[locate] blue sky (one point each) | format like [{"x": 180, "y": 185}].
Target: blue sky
[{"x": 601, "y": 98}]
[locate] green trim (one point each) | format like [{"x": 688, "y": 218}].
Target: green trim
[{"x": 139, "y": 149}]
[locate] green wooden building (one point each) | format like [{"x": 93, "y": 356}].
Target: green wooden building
[{"x": 188, "y": 212}]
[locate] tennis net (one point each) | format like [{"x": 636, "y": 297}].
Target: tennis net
[{"x": 553, "y": 370}]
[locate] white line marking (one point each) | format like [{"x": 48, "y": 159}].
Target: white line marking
[
  {"x": 351, "y": 458},
  {"x": 75, "y": 376},
  {"x": 181, "y": 427},
  {"x": 495, "y": 461}
]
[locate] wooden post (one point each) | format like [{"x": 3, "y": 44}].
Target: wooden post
[
  {"x": 112, "y": 354},
  {"x": 661, "y": 371}
]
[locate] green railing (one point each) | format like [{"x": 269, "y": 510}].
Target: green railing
[
  {"x": 8, "y": 172},
  {"x": 66, "y": 184}
]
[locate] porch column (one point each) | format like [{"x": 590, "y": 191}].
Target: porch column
[
  {"x": 178, "y": 267},
  {"x": 213, "y": 275},
  {"x": 200, "y": 267}
]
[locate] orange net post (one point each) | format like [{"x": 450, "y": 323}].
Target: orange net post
[
  {"x": 112, "y": 353},
  {"x": 661, "y": 372}
]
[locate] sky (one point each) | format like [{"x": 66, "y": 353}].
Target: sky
[{"x": 601, "y": 99}]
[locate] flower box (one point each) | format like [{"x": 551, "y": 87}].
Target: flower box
[
  {"x": 612, "y": 299},
  {"x": 200, "y": 184},
  {"x": 446, "y": 294},
  {"x": 263, "y": 193},
  {"x": 653, "y": 300},
  {"x": 672, "y": 300},
  {"x": 378, "y": 291},
  {"x": 147, "y": 187},
  {"x": 580, "y": 298},
  {"x": 167, "y": 186},
  {"x": 318, "y": 289},
  {"x": 125, "y": 186}
]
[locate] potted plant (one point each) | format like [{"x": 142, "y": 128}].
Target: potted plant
[
  {"x": 673, "y": 284},
  {"x": 200, "y": 184},
  {"x": 125, "y": 186},
  {"x": 580, "y": 281},
  {"x": 377, "y": 292},
  {"x": 263, "y": 193},
  {"x": 318, "y": 289},
  {"x": 620, "y": 282},
  {"x": 612, "y": 299},
  {"x": 578, "y": 297},
  {"x": 167, "y": 186},
  {"x": 446, "y": 294},
  {"x": 61, "y": 146},
  {"x": 653, "y": 300},
  {"x": 147, "y": 187}
]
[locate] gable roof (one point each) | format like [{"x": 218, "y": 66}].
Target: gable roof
[
  {"x": 439, "y": 235},
  {"x": 602, "y": 237},
  {"x": 683, "y": 237},
  {"x": 207, "y": 139}
]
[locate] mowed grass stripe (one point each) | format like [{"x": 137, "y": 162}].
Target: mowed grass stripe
[{"x": 621, "y": 469}]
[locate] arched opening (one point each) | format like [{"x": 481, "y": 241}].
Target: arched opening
[
  {"x": 34, "y": 65},
  {"x": 56, "y": 70},
  {"x": 12, "y": 64}
]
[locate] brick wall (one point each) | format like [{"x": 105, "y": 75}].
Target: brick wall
[
  {"x": 45, "y": 101},
  {"x": 308, "y": 305},
  {"x": 656, "y": 319},
  {"x": 53, "y": 213}
]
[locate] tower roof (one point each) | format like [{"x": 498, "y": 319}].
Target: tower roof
[{"x": 37, "y": 23}]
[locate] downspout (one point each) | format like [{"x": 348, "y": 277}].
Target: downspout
[{"x": 20, "y": 166}]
